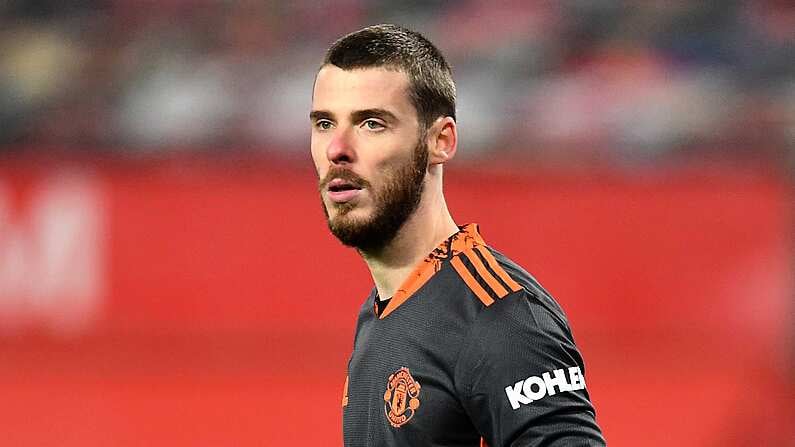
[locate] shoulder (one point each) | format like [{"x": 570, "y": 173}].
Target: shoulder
[
  {"x": 503, "y": 288},
  {"x": 533, "y": 296},
  {"x": 524, "y": 323}
]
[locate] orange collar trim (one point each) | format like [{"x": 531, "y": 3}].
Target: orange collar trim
[{"x": 466, "y": 238}]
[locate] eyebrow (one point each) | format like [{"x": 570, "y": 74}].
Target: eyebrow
[
  {"x": 316, "y": 115},
  {"x": 361, "y": 115},
  {"x": 357, "y": 116}
]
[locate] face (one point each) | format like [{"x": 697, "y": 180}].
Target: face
[{"x": 369, "y": 153}]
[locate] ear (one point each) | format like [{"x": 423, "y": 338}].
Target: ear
[{"x": 442, "y": 140}]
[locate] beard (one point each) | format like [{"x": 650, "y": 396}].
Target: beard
[{"x": 395, "y": 200}]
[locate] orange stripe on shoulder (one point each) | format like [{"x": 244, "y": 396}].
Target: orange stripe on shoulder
[
  {"x": 497, "y": 268},
  {"x": 487, "y": 276},
  {"x": 470, "y": 281}
]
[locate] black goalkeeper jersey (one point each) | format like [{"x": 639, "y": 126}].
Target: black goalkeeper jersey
[{"x": 470, "y": 351}]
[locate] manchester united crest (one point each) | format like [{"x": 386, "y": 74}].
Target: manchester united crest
[{"x": 401, "y": 399}]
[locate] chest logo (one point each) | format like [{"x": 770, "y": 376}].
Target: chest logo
[{"x": 401, "y": 398}]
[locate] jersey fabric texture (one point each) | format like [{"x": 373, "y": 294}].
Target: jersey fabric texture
[{"x": 470, "y": 351}]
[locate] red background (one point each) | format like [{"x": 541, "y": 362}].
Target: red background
[{"x": 228, "y": 310}]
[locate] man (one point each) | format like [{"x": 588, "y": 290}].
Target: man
[{"x": 456, "y": 345}]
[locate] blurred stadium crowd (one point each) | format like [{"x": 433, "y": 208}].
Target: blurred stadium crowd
[{"x": 574, "y": 81}]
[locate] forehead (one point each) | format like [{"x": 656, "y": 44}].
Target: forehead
[{"x": 343, "y": 91}]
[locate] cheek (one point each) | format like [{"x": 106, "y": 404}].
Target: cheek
[
  {"x": 320, "y": 161},
  {"x": 382, "y": 157},
  {"x": 390, "y": 165}
]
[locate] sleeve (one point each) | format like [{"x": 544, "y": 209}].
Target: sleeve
[{"x": 521, "y": 378}]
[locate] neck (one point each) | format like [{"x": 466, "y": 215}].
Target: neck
[{"x": 429, "y": 226}]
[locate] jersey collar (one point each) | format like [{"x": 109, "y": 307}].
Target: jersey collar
[{"x": 466, "y": 238}]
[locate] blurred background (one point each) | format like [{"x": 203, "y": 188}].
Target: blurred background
[{"x": 166, "y": 277}]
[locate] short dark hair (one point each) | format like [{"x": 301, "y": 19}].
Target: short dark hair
[{"x": 431, "y": 86}]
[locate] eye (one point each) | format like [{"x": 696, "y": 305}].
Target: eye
[
  {"x": 373, "y": 124},
  {"x": 324, "y": 124}
]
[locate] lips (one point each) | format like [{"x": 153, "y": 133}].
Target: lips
[
  {"x": 339, "y": 184},
  {"x": 342, "y": 191}
]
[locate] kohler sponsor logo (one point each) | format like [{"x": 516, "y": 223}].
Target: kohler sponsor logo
[{"x": 534, "y": 388}]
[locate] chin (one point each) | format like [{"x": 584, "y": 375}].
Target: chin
[{"x": 350, "y": 217}]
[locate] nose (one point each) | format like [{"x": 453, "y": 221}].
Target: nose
[{"x": 340, "y": 149}]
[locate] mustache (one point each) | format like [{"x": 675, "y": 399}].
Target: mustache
[{"x": 343, "y": 174}]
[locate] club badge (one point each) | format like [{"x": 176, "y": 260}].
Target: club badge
[{"x": 401, "y": 397}]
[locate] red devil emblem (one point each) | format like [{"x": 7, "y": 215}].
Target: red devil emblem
[{"x": 401, "y": 399}]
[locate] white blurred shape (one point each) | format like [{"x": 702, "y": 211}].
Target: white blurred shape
[
  {"x": 481, "y": 110},
  {"x": 51, "y": 258},
  {"x": 279, "y": 111},
  {"x": 181, "y": 103}
]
